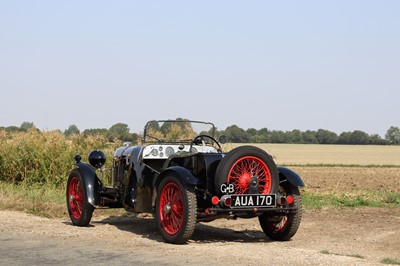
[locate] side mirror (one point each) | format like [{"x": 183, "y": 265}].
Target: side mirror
[{"x": 222, "y": 139}]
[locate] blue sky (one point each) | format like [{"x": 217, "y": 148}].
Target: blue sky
[{"x": 282, "y": 65}]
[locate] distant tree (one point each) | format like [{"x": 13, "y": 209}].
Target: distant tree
[
  {"x": 71, "y": 130},
  {"x": 377, "y": 140},
  {"x": 359, "y": 137},
  {"x": 217, "y": 133},
  {"x": 180, "y": 130},
  {"x": 294, "y": 136},
  {"x": 119, "y": 131},
  {"x": 251, "y": 132},
  {"x": 96, "y": 131},
  {"x": 344, "y": 138},
  {"x": 236, "y": 134},
  {"x": 25, "y": 126},
  {"x": 119, "y": 128},
  {"x": 326, "y": 136},
  {"x": 309, "y": 137},
  {"x": 135, "y": 138},
  {"x": 252, "y": 135},
  {"x": 13, "y": 129},
  {"x": 277, "y": 136},
  {"x": 393, "y": 135},
  {"x": 263, "y": 135},
  {"x": 184, "y": 125},
  {"x": 264, "y": 130},
  {"x": 153, "y": 125}
]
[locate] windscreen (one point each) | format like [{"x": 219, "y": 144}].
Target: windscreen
[{"x": 176, "y": 130}]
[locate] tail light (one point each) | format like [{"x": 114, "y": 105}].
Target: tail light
[
  {"x": 289, "y": 199},
  {"x": 215, "y": 200}
]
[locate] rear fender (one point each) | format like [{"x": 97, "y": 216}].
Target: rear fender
[
  {"x": 291, "y": 176},
  {"x": 91, "y": 183}
]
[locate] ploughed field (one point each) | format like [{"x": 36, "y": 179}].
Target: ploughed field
[
  {"x": 342, "y": 169},
  {"x": 350, "y": 180}
]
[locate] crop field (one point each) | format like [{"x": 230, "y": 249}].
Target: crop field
[{"x": 345, "y": 155}]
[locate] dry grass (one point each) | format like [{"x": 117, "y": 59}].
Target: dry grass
[{"x": 43, "y": 201}]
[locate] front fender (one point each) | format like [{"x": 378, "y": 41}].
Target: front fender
[
  {"x": 291, "y": 176},
  {"x": 90, "y": 182},
  {"x": 184, "y": 175}
]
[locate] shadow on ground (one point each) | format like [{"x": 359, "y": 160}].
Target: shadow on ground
[{"x": 146, "y": 226}]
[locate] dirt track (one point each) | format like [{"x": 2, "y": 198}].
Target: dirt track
[{"x": 372, "y": 233}]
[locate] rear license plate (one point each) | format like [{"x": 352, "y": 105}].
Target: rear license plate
[{"x": 258, "y": 200}]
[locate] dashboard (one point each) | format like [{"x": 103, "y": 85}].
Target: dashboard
[{"x": 163, "y": 151}]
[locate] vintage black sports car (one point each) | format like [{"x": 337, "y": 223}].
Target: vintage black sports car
[{"x": 181, "y": 175}]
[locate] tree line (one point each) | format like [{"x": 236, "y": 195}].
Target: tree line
[
  {"x": 236, "y": 134},
  {"x": 321, "y": 136}
]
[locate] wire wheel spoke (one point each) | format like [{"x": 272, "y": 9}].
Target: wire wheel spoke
[
  {"x": 246, "y": 168},
  {"x": 76, "y": 198},
  {"x": 171, "y": 208},
  {"x": 278, "y": 223}
]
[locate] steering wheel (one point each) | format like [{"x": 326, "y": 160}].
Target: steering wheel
[{"x": 199, "y": 139}]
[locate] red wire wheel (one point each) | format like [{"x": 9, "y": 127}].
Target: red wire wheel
[
  {"x": 175, "y": 210},
  {"x": 250, "y": 169},
  {"x": 75, "y": 197},
  {"x": 171, "y": 209},
  {"x": 244, "y": 169},
  {"x": 283, "y": 227},
  {"x": 79, "y": 209}
]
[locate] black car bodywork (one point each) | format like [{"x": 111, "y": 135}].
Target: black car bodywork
[{"x": 181, "y": 175}]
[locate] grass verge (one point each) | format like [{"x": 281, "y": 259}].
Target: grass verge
[
  {"x": 38, "y": 200},
  {"x": 50, "y": 202},
  {"x": 391, "y": 261},
  {"x": 372, "y": 199},
  {"x": 326, "y": 252}
]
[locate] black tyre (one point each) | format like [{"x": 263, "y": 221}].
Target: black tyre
[
  {"x": 79, "y": 209},
  {"x": 250, "y": 169},
  {"x": 282, "y": 227},
  {"x": 175, "y": 210}
]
